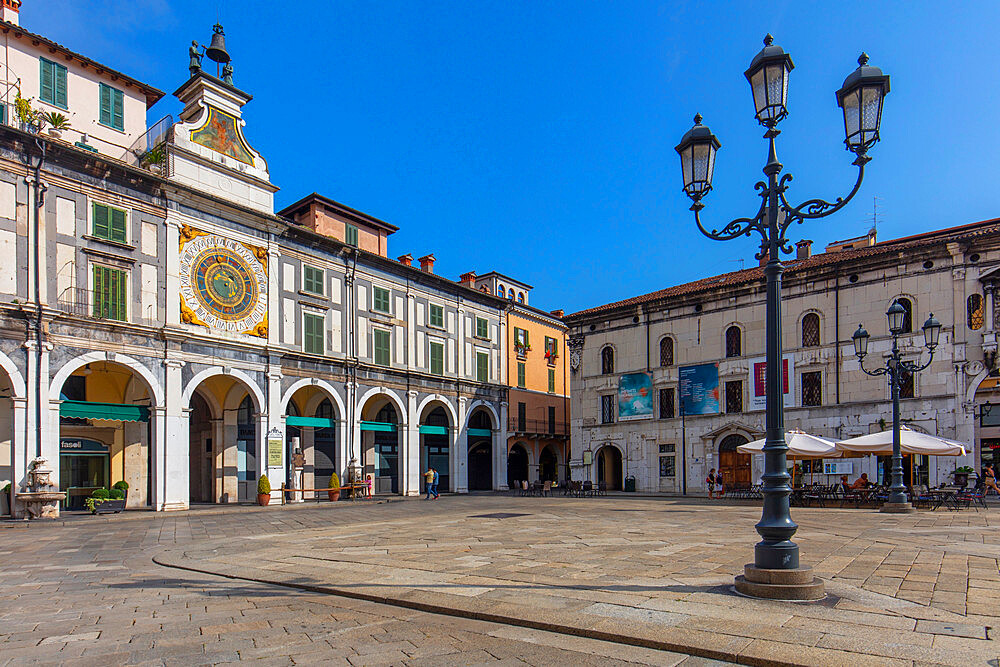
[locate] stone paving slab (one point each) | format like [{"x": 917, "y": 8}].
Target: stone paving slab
[{"x": 903, "y": 589}]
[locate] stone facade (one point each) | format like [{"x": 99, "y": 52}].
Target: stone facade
[{"x": 719, "y": 322}]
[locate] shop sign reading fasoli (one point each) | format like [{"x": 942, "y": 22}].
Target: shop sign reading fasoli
[{"x": 223, "y": 283}]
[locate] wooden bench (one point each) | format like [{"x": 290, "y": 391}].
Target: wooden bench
[{"x": 357, "y": 490}]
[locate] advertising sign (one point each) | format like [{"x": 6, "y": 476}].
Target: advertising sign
[
  {"x": 275, "y": 445},
  {"x": 700, "y": 389},
  {"x": 758, "y": 377},
  {"x": 635, "y": 396}
]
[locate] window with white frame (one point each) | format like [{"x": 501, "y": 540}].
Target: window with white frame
[
  {"x": 312, "y": 279},
  {"x": 381, "y": 299},
  {"x": 313, "y": 333}
]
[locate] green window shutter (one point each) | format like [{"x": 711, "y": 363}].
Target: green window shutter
[
  {"x": 102, "y": 221},
  {"x": 312, "y": 280},
  {"x": 437, "y": 358},
  {"x": 105, "y": 115},
  {"x": 482, "y": 327},
  {"x": 381, "y": 353},
  {"x": 110, "y": 293},
  {"x": 552, "y": 381},
  {"x": 381, "y": 300},
  {"x": 437, "y": 316},
  {"x": 59, "y": 78},
  {"x": 46, "y": 78},
  {"x": 118, "y": 225},
  {"x": 313, "y": 333},
  {"x": 350, "y": 234},
  {"x": 482, "y": 367},
  {"x": 520, "y": 374},
  {"x": 117, "y": 109}
]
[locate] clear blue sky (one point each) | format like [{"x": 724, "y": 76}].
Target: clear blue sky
[{"x": 537, "y": 138}]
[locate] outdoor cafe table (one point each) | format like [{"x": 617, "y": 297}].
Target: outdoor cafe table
[{"x": 945, "y": 496}]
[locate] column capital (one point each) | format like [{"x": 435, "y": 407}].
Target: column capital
[
  {"x": 275, "y": 376},
  {"x": 174, "y": 363},
  {"x": 412, "y": 393}
]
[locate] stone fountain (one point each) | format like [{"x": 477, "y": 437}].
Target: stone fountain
[{"x": 41, "y": 501}]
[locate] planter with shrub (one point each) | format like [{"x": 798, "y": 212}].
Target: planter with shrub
[
  {"x": 263, "y": 490},
  {"x": 103, "y": 501},
  {"x": 962, "y": 475},
  {"x": 122, "y": 486},
  {"x": 334, "y": 490}
]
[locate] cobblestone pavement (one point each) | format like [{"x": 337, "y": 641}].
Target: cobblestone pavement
[
  {"x": 904, "y": 589},
  {"x": 87, "y": 592}
]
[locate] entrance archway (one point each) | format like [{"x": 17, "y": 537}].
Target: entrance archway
[
  {"x": 105, "y": 432},
  {"x": 517, "y": 465},
  {"x": 548, "y": 465},
  {"x": 6, "y": 431},
  {"x": 435, "y": 436},
  {"x": 609, "y": 467},
  {"x": 380, "y": 443},
  {"x": 734, "y": 466},
  {"x": 311, "y": 418},
  {"x": 480, "y": 450},
  {"x": 201, "y": 422}
]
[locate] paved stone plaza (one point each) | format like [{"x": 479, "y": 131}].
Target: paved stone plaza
[{"x": 520, "y": 580}]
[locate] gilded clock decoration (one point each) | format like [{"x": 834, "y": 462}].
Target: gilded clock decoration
[{"x": 223, "y": 285}]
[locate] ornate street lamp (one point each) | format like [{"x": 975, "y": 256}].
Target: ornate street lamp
[
  {"x": 897, "y": 370},
  {"x": 776, "y": 572}
]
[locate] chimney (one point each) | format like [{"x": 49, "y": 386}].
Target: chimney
[
  {"x": 405, "y": 260},
  {"x": 558, "y": 312},
  {"x": 803, "y": 249},
  {"x": 11, "y": 10},
  {"x": 427, "y": 263},
  {"x": 468, "y": 279}
]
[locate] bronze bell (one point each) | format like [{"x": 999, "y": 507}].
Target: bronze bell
[{"x": 217, "y": 49}]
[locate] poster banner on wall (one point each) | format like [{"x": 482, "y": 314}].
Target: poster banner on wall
[
  {"x": 758, "y": 388},
  {"x": 700, "y": 389},
  {"x": 635, "y": 396}
]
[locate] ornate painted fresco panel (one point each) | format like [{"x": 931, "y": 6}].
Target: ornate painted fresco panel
[{"x": 221, "y": 134}]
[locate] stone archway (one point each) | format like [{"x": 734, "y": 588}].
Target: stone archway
[
  {"x": 480, "y": 445},
  {"x": 548, "y": 464},
  {"x": 609, "y": 467},
  {"x": 381, "y": 442},
  {"x": 435, "y": 431},
  {"x": 517, "y": 465},
  {"x": 734, "y": 467}
]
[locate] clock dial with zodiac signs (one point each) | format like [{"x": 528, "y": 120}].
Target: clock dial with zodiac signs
[{"x": 223, "y": 285}]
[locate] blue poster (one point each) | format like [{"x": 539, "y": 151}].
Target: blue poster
[
  {"x": 700, "y": 389},
  {"x": 635, "y": 396}
]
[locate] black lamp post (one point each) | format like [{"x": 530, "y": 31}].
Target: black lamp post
[
  {"x": 861, "y": 100},
  {"x": 897, "y": 370}
]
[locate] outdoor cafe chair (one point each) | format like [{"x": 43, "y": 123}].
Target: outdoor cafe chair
[
  {"x": 602, "y": 488},
  {"x": 588, "y": 488},
  {"x": 547, "y": 488}
]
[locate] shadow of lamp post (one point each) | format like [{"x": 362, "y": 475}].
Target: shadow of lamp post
[{"x": 775, "y": 572}]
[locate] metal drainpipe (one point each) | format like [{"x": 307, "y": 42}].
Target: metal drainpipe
[{"x": 352, "y": 362}]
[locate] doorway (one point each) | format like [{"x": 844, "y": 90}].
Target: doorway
[
  {"x": 609, "y": 467},
  {"x": 734, "y": 466},
  {"x": 517, "y": 465}
]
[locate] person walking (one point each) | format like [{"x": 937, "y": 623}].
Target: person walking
[
  {"x": 429, "y": 483},
  {"x": 434, "y": 484},
  {"x": 710, "y": 481},
  {"x": 989, "y": 480}
]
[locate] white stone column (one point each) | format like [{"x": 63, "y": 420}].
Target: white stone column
[
  {"x": 273, "y": 424},
  {"x": 461, "y": 448},
  {"x": 345, "y": 431},
  {"x": 171, "y": 446},
  {"x": 410, "y": 463},
  {"x": 49, "y": 425},
  {"x": 411, "y": 335},
  {"x": 500, "y": 451},
  {"x": 19, "y": 444}
]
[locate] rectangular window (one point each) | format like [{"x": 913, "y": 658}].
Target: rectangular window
[
  {"x": 667, "y": 403},
  {"x": 552, "y": 380},
  {"x": 668, "y": 466},
  {"x": 607, "y": 409},
  {"x": 52, "y": 80},
  {"x": 437, "y": 358},
  {"x": 522, "y": 417},
  {"x": 313, "y": 333},
  {"x": 734, "y": 396},
  {"x": 436, "y": 318},
  {"x": 552, "y": 420},
  {"x": 380, "y": 299},
  {"x": 906, "y": 386},
  {"x": 351, "y": 235},
  {"x": 551, "y": 349},
  {"x": 482, "y": 366},
  {"x": 521, "y": 343},
  {"x": 482, "y": 328},
  {"x": 520, "y": 375},
  {"x": 112, "y": 107},
  {"x": 668, "y": 449},
  {"x": 108, "y": 223},
  {"x": 812, "y": 388},
  {"x": 110, "y": 293},
  {"x": 380, "y": 347},
  {"x": 312, "y": 279}
]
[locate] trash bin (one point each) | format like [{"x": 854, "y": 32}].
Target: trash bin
[{"x": 630, "y": 484}]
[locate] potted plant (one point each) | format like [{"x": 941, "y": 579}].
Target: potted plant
[
  {"x": 56, "y": 122},
  {"x": 154, "y": 159},
  {"x": 263, "y": 490},
  {"x": 334, "y": 491},
  {"x": 30, "y": 119},
  {"x": 962, "y": 475},
  {"x": 122, "y": 486}
]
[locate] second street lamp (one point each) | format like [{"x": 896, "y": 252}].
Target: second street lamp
[
  {"x": 897, "y": 369},
  {"x": 776, "y": 572}
]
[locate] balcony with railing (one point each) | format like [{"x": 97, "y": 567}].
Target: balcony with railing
[
  {"x": 538, "y": 427},
  {"x": 101, "y": 305}
]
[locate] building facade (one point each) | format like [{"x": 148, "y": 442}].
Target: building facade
[
  {"x": 667, "y": 385},
  {"x": 163, "y": 326}
]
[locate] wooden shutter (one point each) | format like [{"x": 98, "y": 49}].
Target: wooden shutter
[
  {"x": 437, "y": 358},
  {"x": 482, "y": 367},
  {"x": 102, "y": 221},
  {"x": 118, "y": 225},
  {"x": 59, "y": 81},
  {"x": 106, "y": 115},
  {"x": 117, "y": 109},
  {"x": 46, "y": 76}
]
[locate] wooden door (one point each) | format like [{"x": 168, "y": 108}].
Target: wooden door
[{"x": 735, "y": 468}]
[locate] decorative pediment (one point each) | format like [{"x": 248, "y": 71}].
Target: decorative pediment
[{"x": 752, "y": 431}]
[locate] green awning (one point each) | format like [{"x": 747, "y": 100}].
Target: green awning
[
  {"x": 481, "y": 432},
  {"x": 109, "y": 411},
  {"x": 427, "y": 429},
  {"x": 315, "y": 422},
  {"x": 378, "y": 426}
]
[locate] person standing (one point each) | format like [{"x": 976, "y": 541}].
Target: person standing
[
  {"x": 429, "y": 483},
  {"x": 434, "y": 484},
  {"x": 710, "y": 481}
]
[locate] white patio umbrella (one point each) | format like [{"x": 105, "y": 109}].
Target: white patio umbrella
[
  {"x": 910, "y": 442},
  {"x": 801, "y": 445}
]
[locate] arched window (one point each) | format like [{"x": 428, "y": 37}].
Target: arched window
[
  {"x": 245, "y": 413},
  {"x": 810, "y": 330},
  {"x": 608, "y": 360},
  {"x": 666, "y": 351},
  {"x": 976, "y": 313},
  {"x": 734, "y": 342},
  {"x": 908, "y": 319},
  {"x": 520, "y": 297},
  {"x": 510, "y": 294},
  {"x": 501, "y": 292}
]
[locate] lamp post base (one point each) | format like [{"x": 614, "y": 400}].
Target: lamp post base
[
  {"x": 796, "y": 584},
  {"x": 897, "y": 508}
]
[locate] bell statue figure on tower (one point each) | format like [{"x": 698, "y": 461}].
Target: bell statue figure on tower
[
  {"x": 227, "y": 73},
  {"x": 195, "y": 56}
]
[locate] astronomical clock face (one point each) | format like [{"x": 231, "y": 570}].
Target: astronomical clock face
[{"x": 223, "y": 284}]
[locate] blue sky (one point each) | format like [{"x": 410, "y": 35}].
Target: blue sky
[{"x": 536, "y": 139}]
